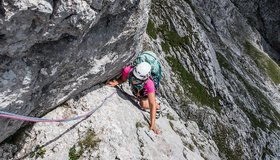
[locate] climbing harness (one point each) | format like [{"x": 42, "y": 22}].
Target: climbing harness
[
  {"x": 137, "y": 88},
  {"x": 35, "y": 119}
]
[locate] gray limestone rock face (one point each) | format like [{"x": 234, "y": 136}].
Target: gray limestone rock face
[
  {"x": 216, "y": 74},
  {"x": 265, "y": 16},
  {"x": 116, "y": 130},
  {"x": 51, "y": 50},
  {"x": 220, "y": 88}
]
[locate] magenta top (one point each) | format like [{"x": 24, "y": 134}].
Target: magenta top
[{"x": 149, "y": 86}]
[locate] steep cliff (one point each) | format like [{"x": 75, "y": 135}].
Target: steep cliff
[
  {"x": 218, "y": 75},
  {"x": 265, "y": 17},
  {"x": 220, "y": 90},
  {"x": 51, "y": 50}
]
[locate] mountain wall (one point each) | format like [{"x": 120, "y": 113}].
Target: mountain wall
[
  {"x": 51, "y": 50},
  {"x": 220, "y": 91},
  {"x": 218, "y": 74},
  {"x": 265, "y": 17}
]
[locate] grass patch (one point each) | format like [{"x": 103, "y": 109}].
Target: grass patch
[
  {"x": 193, "y": 88},
  {"x": 165, "y": 47},
  {"x": 151, "y": 30},
  {"x": 223, "y": 134},
  {"x": 265, "y": 108},
  {"x": 191, "y": 147},
  {"x": 73, "y": 155},
  {"x": 263, "y": 62},
  {"x": 89, "y": 142},
  {"x": 139, "y": 125},
  {"x": 169, "y": 34},
  {"x": 39, "y": 152},
  {"x": 256, "y": 122},
  {"x": 224, "y": 63},
  {"x": 172, "y": 38},
  {"x": 170, "y": 117},
  {"x": 254, "y": 135}
]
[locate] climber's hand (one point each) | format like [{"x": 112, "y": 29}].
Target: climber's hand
[
  {"x": 112, "y": 83},
  {"x": 156, "y": 131}
]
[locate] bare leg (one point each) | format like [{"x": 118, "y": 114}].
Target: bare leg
[{"x": 144, "y": 103}]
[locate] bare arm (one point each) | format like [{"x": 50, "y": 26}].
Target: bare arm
[{"x": 152, "y": 104}]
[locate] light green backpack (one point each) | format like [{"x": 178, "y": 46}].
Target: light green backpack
[{"x": 152, "y": 59}]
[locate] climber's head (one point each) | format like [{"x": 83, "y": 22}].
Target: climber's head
[{"x": 142, "y": 71}]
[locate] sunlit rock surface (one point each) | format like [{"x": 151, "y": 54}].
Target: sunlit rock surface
[
  {"x": 220, "y": 91},
  {"x": 52, "y": 50}
]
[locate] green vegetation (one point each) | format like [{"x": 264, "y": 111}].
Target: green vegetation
[
  {"x": 139, "y": 125},
  {"x": 172, "y": 38},
  {"x": 151, "y": 30},
  {"x": 263, "y": 62},
  {"x": 165, "y": 47},
  {"x": 223, "y": 134},
  {"x": 256, "y": 122},
  {"x": 89, "y": 142},
  {"x": 170, "y": 117},
  {"x": 266, "y": 151},
  {"x": 39, "y": 152},
  {"x": 73, "y": 155},
  {"x": 191, "y": 147},
  {"x": 224, "y": 63},
  {"x": 254, "y": 135},
  {"x": 265, "y": 108},
  {"x": 194, "y": 89}
]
